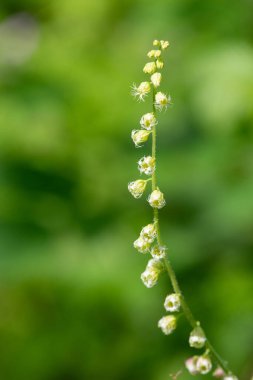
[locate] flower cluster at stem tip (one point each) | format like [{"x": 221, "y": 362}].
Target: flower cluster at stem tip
[{"x": 149, "y": 241}]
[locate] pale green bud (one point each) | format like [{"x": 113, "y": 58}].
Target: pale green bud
[
  {"x": 151, "y": 54},
  {"x": 137, "y": 187},
  {"x": 164, "y": 44},
  {"x": 168, "y": 324},
  {"x": 148, "y": 233},
  {"x": 156, "y": 43},
  {"x": 141, "y": 245},
  {"x": 157, "y": 53},
  {"x": 149, "y": 68},
  {"x": 154, "y": 264},
  {"x": 159, "y": 64},
  {"x": 154, "y": 53},
  {"x": 156, "y": 79},
  {"x": 139, "y": 136},
  {"x": 197, "y": 338},
  {"x": 156, "y": 199}
]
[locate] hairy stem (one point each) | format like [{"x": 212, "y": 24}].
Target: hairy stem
[{"x": 186, "y": 309}]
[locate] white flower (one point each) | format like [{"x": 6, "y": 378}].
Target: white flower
[
  {"x": 230, "y": 377},
  {"x": 141, "y": 91},
  {"x": 162, "y": 100},
  {"x": 172, "y": 302},
  {"x": 150, "y": 277},
  {"x": 159, "y": 64},
  {"x": 141, "y": 245},
  {"x": 197, "y": 338},
  {"x": 168, "y": 324},
  {"x": 148, "y": 121},
  {"x": 164, "y": 44},
  {"x": 203, "y": 364},
  {"x": 149, "y": 68},
  {"x": 146, "y": 165},
  {"x": 158, "y": 252},
  {"x": 139, "y": 136},
  {"x": 137, "y": 187},
  {"x": 156, "y": 199},
  {"x": 148, "y": 233},
  {"x": 156, "y": 79},
  {"x": 191, "y": 365}
]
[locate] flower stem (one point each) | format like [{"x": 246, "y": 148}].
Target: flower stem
[{"x": 186, "y": 309}]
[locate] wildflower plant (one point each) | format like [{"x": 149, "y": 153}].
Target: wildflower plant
[{"x": 149, "y": 240}]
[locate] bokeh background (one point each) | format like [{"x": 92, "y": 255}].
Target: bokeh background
[{"x": 72, "y": 305}]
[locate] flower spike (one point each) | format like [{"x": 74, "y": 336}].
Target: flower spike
[{"x": 149, "y": 241}]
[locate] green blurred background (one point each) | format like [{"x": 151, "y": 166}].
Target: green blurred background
[{"x": 72, "y": 305}]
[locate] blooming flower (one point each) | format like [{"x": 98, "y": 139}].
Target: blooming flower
[
  {"x": 190, "y": 364},
  {"x": 159, "y": 63},
  {"x": 172, "y": 302},
  {"x": 164, "y": 44},
  {"x": 156, "y": 199},
  {"x": 148, "y": 233},
  {"x": 137, "y": 187},
  {"x": 141, "y": 91},
  {"x": 156, "y": 79},
  {"x": 149, "y": 68},
  {"x": 146, "y": 165},
  {"x": 156, "y": 43},
  {"x": 141, "y": 245},
  {"x": 203, "y": 364},
  {"x": 139, "y": 136},
  {"x": 158, "y": 252},
  {"x": 230, "y": 377},
  {"x": 197, "y": 338},
  {"x": 150, "y": 277},
  {"x": 168, "y": 324},
  {"x": 148, "y": 121},
  {"x": 162, "y": 100}
]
